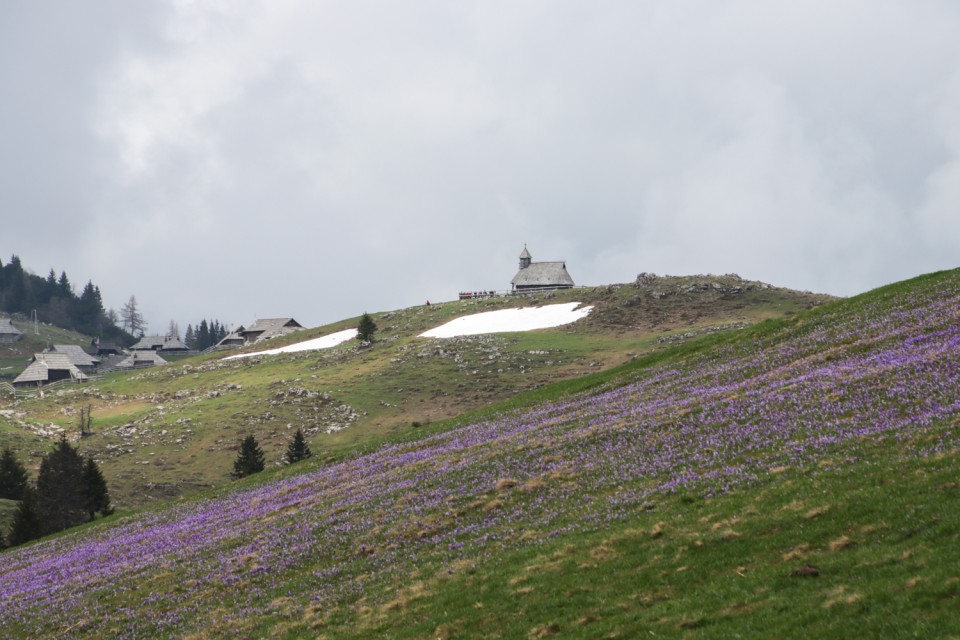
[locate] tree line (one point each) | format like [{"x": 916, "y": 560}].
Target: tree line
[
  {"x": 55, "y": 302},
  {"x": 205, "y": 335},
  {"x": 70, "y": 489}
]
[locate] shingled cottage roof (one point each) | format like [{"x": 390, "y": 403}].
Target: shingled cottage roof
[
  {"x": 77, "y": 355},
  {"x": 265, "y": 328},
  {"x": 43, "y": 363},
  {"x": 139, "y": 358},
  {"x": 543, "y": 274},
  {"x": 6, "y": 327},
  {"x": 160, "y": 343}
]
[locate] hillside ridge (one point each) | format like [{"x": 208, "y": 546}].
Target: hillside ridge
[
  {"x": 174, "y": 429},
  {"x": 786, "y": 435}
]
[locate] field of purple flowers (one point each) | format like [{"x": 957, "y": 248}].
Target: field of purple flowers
[{"x": 706, "y": 422}]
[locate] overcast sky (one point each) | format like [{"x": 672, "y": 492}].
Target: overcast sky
[{"x": 315, "y": 159}]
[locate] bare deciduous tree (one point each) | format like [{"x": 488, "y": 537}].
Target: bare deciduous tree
[{"x": 132, "y": 319}]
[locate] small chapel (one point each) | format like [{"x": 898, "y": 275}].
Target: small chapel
[{"x": 540, "y": 275}]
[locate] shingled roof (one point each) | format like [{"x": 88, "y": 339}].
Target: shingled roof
[
  {"x": 77, "y": 355},
  {"x": 8, "y": 330},
  {"x": 232, "y": 339},
  {"x": 266, "y": 328},
  {"x": 139, "y": 359},
  {"x": 43, "y": 363},
  {"x": 541, "y": 275},
  {"x": 160, "y": 343}
]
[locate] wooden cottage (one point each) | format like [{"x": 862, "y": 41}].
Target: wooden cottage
[
  {"x": 8, "y": 332},
  {"x": 267, "y": 328},
  {"x": 104, "y": 348},
  {"x": 47, "y": 368},
  {"x": 233, "y": 339},
  {"x": 161, "y": 344},
  {"x": 540, "y": 275},
  {"x": 78, "y": 357},
  {"x": 137, "y": 360}
]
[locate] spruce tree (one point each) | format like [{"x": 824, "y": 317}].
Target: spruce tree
[
  {"x": 66, "y": 289},
  {"x": 298, "y": 449},
  {"x": 203, "y": 335},
  {"x": 26, "y": 520},
  {"x": 49, "y": 287},
  {"x": 250, "y": 459},
  {"x": 13, "y": 476},
  {"x": 366, "y": 328},
  {"x": 88, "y": 313},
  {"x": 95, "y": 495},
  {"x": 60, "y": 499}
]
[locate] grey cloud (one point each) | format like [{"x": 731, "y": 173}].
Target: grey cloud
[{"x": 321, "y": 159}]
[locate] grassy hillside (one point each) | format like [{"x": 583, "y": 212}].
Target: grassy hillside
[
  {"x": 796, "y": 479},
  {"x": 14, "y": 356},
  {"x": 175, "y": 429}
]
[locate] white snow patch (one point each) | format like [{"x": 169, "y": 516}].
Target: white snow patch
[
  {"x": 525, "y": 319},
  {"x": 323, "y": 342}
]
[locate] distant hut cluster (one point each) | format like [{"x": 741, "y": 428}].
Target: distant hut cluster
[
  {"x": 149, "y": 351},
  {"x": 75, "y": 363}
]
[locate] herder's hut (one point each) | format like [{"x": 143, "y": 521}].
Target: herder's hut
[
  {"x": 47, "y": 368},
  {"x": 267, "y": 328},
  {"x": 161, "y": 344},
  {"x": 78, "y": 357},
  {"x": 8, "y": 332}
]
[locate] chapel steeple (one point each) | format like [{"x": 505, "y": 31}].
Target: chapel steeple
[{"x": 525, "y": 258}]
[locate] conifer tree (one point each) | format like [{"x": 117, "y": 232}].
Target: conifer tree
[
  {"x": 60, "y": 500},
  {"x": 63, "y": 284},
  {"x": 13, "y": 476},
  {"x": 16, "y": 284},
  {"x": 203, "y": 335},
  {"x": 366, "y": 328},
  {"x": 95, "y": 495},
  {"x": 189, "y": 338},
  {"x": 26, "y": 520},
  {"x": 250, "y": 459},
  {"x": 298, "y": 449},
  {"x": 88, "y": 313},
  {"x": 49, "y": 287}
]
